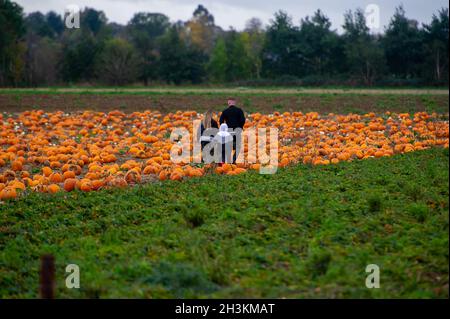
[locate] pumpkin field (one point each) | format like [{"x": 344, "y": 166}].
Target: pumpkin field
[{"x": 352, "y": 187}]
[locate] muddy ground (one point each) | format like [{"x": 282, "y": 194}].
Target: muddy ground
[
  {"x": 324, "y": 103},
  {"x": 234, "y": 90}
]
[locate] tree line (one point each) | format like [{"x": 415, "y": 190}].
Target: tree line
[{"x": 38, "y": 50}]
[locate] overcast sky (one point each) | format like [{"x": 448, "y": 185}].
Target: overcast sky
[{"x": 235, "y": 13}]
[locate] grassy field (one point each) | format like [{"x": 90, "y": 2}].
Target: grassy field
[{"x": 305, "y": 232}]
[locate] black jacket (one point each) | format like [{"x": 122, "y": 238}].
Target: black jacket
[{"x": 234, "y": 117}]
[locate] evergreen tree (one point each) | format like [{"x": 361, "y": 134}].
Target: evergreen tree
[
  {"x": 322, "y": 50},
  {"x": 80, "y": 47},
  {"x": 36, "y": 23},
  {"x": 55, "y": 23},
  {"x": 281, "y": 53},
  {"x": 403, "y": 46},
  {"x": 12, "y": 30},
  {"x": 365, "y": 58},
  {"x": 436, "y": 38}
]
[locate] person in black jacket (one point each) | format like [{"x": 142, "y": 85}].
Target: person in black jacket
[{"x": 234, "y": 117}]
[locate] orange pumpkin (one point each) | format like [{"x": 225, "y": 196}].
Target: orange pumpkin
[
  {"x": 176, "y": 176},
  {"x": 68, "y": 175},
  {"x": 70, "y": 184},
  {"x": 16, "y": 166},
  {"x": 86, "y": 186},
  {"x": 162, "y": 176},
  {"x": 8, "y": 193},
  {"x": 53, "y": 188},
  {"x": 56, "y": 178},
  {"x": 97, "y": 139},
  {"x": 47, "y": 171}
]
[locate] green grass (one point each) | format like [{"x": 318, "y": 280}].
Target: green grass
[{"x": 305, "y": 232}]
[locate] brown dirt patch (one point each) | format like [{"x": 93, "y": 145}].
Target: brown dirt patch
[
  {"x": 251, "y": 103},
  {"x": 241, "y": 90}
]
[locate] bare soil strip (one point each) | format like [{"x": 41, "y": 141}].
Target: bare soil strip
[
  {"x": 340, "y": 104},
  {"x": 242, "y": 90}
]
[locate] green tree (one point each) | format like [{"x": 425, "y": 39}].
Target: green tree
[
  {"x": 321, "y": 47},
  {"x": 230, "y": 59},
  {"x": 436, "y": 38},
  {"x": 403, "y": 46},
  {"x": 80, "y": 47},
  {"x": 79, "y": 52},
  {"x": 239, "y": 62},
  {"x": 117, "y": 63},
  {"x": 36, "y": 23},
  {"x": 55, "y": 23},
  {"x": 179, "y": 62},
  {"x": 217, "y": 66},
  {"x": 43, "y": 49},
  {"x": 281, "y": 53},
  {"x": 93, "y": 20},
  {"x": 12, "y": 49},
  {"x": 254, "y": 38},
  {"x": 144, "y": 30},
  {"x": 364, "y": 55}
]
